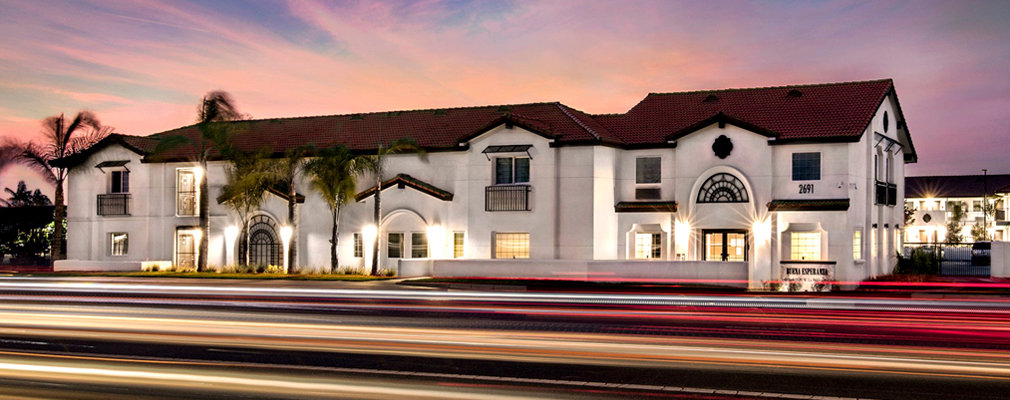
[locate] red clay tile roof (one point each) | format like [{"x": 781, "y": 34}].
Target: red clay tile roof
[
  {"x": 834, "y": 111},
  {"x": 809, "y": 205},
  {"x": 921, "y": 187},
  {"x": 404, "y": 180},
  {"x": 646, "y": 206}
]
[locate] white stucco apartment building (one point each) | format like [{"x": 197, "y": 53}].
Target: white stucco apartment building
[
  {"x": 930, "y": 198},
  {"x": 741, "y": 186}
]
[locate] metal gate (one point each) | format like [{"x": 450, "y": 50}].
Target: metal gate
[
  {"x": 265, "y": 247},
  {"x": 963, "y": 259}
]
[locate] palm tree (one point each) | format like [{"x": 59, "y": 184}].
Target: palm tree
[
  {"x": 22, "y": 197},
  {"x": 286, "y": 171},
  {"x": 216, "y": 109},
  {"x": 333, "y": 174},
  {"x": 62, "y": 139},
  {"x": 376, "y": 165},
  {"x": 249, "y": 176}
]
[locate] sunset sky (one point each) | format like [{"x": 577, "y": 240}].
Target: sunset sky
[{"x": 142, "y": 65}]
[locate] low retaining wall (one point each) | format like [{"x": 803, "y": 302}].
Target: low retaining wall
[
  {"x": 705, "y": 272},
  {"x": 1000, "y": 259},
  {"x": 91, "y": 266}
]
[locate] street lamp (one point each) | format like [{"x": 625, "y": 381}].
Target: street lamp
[{"x": 985, "y": 208}]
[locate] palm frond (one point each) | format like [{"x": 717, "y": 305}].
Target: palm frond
[
  {"x": 37, "y": 159},
  {"x": 218, "y": 106}
]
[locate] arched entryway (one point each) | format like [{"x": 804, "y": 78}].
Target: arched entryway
[{"x": 265, "y": 247}]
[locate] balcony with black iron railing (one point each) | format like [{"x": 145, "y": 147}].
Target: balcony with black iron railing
[
  {"x": 886, "y": 193},
  {"x": 114, "y": 204},
  {"x": 507, "y": 198}
]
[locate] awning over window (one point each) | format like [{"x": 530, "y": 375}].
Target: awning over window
[
  {"x": 111, "y": 164},
  {"x": 514, "y": 148}
]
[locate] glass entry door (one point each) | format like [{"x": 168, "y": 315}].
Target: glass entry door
[{"x": 725, "y": 245}]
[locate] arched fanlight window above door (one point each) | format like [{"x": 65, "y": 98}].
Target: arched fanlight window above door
[{"x": 723, "y": 188}]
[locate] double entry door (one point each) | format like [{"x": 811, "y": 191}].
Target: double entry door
[{"x": 725, "y": 245}]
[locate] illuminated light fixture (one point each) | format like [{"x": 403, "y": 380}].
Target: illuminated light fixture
[
  {"x": 230, "y": 235},
  {"x": 368, "y": 236},
  {"x": 286, "y": 233},
  {"x": 762, "y": 231},
  {"x": 682, "y": 235},
  {"x": 436, "y": 241}
]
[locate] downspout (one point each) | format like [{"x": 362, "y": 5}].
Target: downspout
[{"x": 557, "y": 203}]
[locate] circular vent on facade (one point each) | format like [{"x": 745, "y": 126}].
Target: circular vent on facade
[{"x": 926, "y": 218}]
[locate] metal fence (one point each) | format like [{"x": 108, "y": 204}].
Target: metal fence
[
  {"x": 962, "y": 259},
  {"x": 113, "y": 204},
  {"x": 507, "y": 198}
]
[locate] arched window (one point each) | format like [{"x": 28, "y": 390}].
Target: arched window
[
  {"x": 266, "y": 247},
  {"x": 722, "y": 188}
]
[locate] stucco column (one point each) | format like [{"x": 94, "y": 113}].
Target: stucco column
[{"x": 761, "y": 264}]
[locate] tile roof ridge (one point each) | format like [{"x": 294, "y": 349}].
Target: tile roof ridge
[
  {"x": 564, "y": 109},
  {"x": 397, "y": 111},
  {"x": 773, "y": 87}
]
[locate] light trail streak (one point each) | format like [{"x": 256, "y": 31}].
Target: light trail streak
[
  {"x": 264, "y": 333},
  {"x": 994, "y": 305}
]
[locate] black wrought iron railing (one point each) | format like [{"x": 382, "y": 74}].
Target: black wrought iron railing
[
  {"x": 507, "y": 198},
  {"x": 114, "y": 204}
]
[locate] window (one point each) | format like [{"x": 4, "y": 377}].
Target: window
[
  {"x": 511, "y": 245},
  {"x": 394, "y": 245},
  {"x": 120, "y": 182},
  {"x": 722, "y": 188},
  {"x": 648, "y": 170},
  {"x": 725, "y": 245},
  {"x": 418, "y": 245},
  {"x": 509, "y": 170},
  {"x": 648, "y": 245},
  {"x": 358, "y": 248},
  {"x": 120, "y": 244},
  {"x": 976, "y": 205},
  {"x": 185, "y": 248},
  {"x": 857, "y": 245},
  {"x": 458, "y": 244},
  {"x": 186, "y": 193},
  {"x": 805, "y": 245},
  {"x": 806, "y": 166}
]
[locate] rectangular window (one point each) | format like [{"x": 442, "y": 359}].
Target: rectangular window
[
  {"x": 418, "y": 245},
  {"x": 120, "y": 244},
  {"x": 185, "y": 248},
  {"x": 358, "y": 248},
  {"x": 394, "y": 245},
  {"x": 186, "y": 200},
  {"x": 120, "y": 182},
  {"x": 648, "y": 245},
  {"x": 509, "y": 170},
  {"x": 511, "y": 245},
  {"x": 976, "y": 205},
  {"x": 648, "y": 170},
  {"x": 806, "y": 166},
  {"x": 458, "y": 244},
  {"x": 857, "y": 245},
  {"x": 805, "y": 245}
]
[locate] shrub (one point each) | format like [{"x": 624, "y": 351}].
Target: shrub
[
  {"x": 919, "y": 262},
  {"x": 772, "y": 286},
  {"x": 388, "y": 272}
]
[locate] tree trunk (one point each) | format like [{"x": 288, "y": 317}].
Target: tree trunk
[
  {"x": 378, "y": 220},
  {"x": 334, "y": 238},
  {"x": 245, "y": 249},
  {"x": 201, "y": 264},
  {"x": 293, "y": 223},
  {"x": 58, "y": 216}
]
